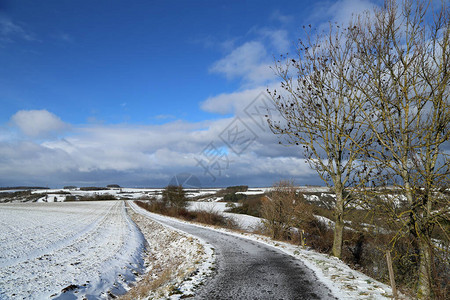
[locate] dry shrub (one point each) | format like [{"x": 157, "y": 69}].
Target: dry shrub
[
  {"x": 202, "y": 216},
  {"x": 278, "y": 210},
  {"x": 249, "y": 206},
  {"x": 366, "y": 251},
  {"x": 318, "y": 236},
  {"x": 174, "y": 196},
  {"x": 150, "y": 284},
  {"x": 211, "y": 218},
  {"x": 283, "y": 210},
  {"x": 183, "y": 214},
  {"x": 153, "y": 206}
]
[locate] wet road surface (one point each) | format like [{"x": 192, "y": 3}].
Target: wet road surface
[{"x": 247, "y": 269}]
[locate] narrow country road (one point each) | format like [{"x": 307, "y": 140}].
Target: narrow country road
[{"x": 247, "y": 269}]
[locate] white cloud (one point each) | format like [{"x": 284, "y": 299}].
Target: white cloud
[
  {"x": 164, "y": 117},
  {"x": 241, "y": 60},
  {"x": 248, "y": 61},
  {"x": 139, "y": 155},
  {"x": 227, "y": 103},
  {"x": 65, "y": 37},
  {"x": 341, "y": 11},
  {"x": 251, "y": 61},
  {"x": 212, "y": 42},
  {"x": 284, "y": 167},
  {"x": 38, "y": 123},
  {"x": 278, "y": 16},
  {"x": 277, "y": 38},
  {"x": 10, "y": 31}
]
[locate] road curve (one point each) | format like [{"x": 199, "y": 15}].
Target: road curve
[{"x": 247, "y": 269}]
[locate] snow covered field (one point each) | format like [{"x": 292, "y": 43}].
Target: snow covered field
[
  {"x": 74, "y": 249},
  {"x": 57, "y": 250}
]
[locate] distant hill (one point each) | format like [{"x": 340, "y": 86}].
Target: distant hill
[{"x": 23, "y": 188}]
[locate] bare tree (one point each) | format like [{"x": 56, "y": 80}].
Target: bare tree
[
  {"x": 319, "y": 112},
  {"x": 403, "y": 64}
]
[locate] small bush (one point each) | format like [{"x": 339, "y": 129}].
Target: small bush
[
  {"x": 70, "y": 198},
  {"x": 234, "y": 197},
  {"x": 249, "y": 206},
  {"x": 211, "y": 218},
  {"x": 318, "y": 236},
  {"x": 283, "y": 209},
  {"x": 153, "y": 206},
  {"x": 174, "y": 196}
]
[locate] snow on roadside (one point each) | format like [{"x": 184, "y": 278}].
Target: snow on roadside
[
  {"x": 218, "y": 207},
  {"x": 244, "y": 222},
  {"x": 177, "y": 262},
  {"x": 344, "y": 282}
]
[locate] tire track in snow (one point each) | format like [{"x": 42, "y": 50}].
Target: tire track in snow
[
  {"x": 98, "y": 257},
  {"x": 49, "y": 241}
]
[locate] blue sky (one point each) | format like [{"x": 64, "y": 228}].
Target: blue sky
[{"x": 135, "y": 92}]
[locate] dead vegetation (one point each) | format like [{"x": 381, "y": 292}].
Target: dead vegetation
[
  {"x": 368, "y": 104},
  {"x": 19, "y": 196},
  {"x": 368, "y": 232},
  {"x": 173, "y": 204},
  {"x": 167, "y": 264}
]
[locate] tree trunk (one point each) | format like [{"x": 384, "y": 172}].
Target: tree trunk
[
  {"x": 339, "y": 222},
  {"x": 424, "y": 288}
]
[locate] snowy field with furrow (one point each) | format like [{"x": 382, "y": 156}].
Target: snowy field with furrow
[{"x": 82, "y": 249}]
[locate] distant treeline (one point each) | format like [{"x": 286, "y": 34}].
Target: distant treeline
[
  {"x": 92, "y": 188},
  {"x": 237, "y": 188},
  {"x": 23, "y": 188}
]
